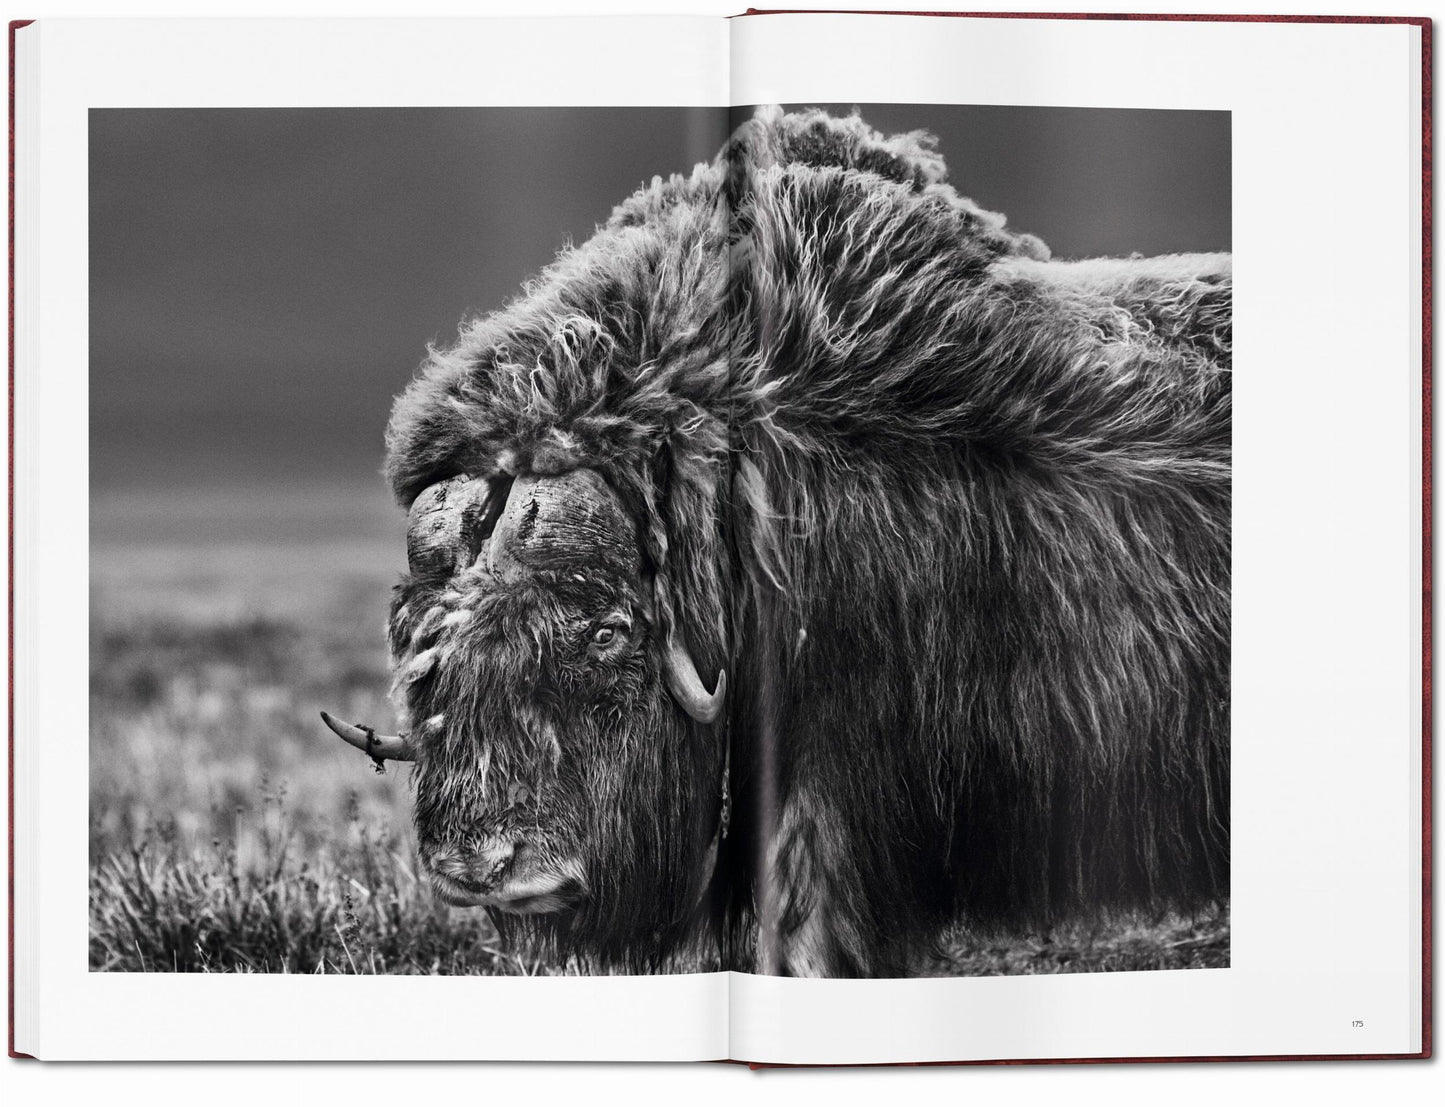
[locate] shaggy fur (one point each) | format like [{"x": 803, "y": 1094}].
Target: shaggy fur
[{"x": 955, "y": 517}]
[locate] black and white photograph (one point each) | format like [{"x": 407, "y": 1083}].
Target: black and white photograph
[{"x": 793, "y": 540}]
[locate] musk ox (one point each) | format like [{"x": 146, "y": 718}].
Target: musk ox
[{"x": 805, "y": 564}]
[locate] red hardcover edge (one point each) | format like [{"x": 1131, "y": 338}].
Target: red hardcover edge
[
  {"x": 1427, "y": 537},
  {"x": 1201, "y": 17},
  {"x": 15, "y": 25},
  {"x": 1427, "y": 615}
]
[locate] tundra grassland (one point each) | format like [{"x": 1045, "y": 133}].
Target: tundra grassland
[{"x": 229, "y": 832}]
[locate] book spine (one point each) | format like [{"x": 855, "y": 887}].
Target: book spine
[{"x": 15, "y": 25}]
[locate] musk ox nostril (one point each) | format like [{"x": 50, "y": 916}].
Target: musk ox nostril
[{"x": 491, "y": 860}]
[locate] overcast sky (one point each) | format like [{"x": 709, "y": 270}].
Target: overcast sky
[{"x": 264, "y": 281}]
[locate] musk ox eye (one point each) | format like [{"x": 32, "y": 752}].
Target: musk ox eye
[{"x": 609, "y": 634}]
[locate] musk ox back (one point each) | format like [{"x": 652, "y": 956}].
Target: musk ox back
[{"x": 807, "y": 564}]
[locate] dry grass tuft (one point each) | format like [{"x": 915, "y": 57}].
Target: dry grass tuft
[{"x": 229, "y": 831}]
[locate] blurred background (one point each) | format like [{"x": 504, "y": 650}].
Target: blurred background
[{"x": 263, "y": 282}]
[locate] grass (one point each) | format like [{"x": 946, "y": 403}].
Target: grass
[
  {"x": 1119, "y": 945},
  {"x": 162, "y": 905},
  {"x": 231, "y": 833},
  {"x": 229, "y": 830}
]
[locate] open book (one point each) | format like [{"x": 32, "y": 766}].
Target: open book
[{"x": 818, "y": 607}]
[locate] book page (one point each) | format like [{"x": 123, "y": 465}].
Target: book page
[
  {"x": 1088, "y": 715},
  {"x": 254, "y": 237}
]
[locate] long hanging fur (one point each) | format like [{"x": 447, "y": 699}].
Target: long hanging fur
[{"x": 955, "y": 515}]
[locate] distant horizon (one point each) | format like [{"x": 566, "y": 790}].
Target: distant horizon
[{"x": 320, "y": 511}]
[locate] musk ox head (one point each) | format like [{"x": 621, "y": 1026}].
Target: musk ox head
[{"x": 547, "y": 699}]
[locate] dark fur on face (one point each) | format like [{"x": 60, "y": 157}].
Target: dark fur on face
[
  {"x": 541, "y": 721},
  {"x": 955, "y": 518}
]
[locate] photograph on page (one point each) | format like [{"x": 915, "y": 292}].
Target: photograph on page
[
  {"x": 576, "y": 541},
  {"x": 264, "y": 284}
]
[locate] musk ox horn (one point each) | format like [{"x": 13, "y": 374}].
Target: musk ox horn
[
  {"x": 374, "y": 745},
  {"x": 686, "y": 686}
]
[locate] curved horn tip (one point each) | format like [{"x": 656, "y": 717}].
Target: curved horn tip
[
  {"x": 376, "y": 746},
  {"x": 709, "y": 707},
  {"x": 680, "y": 674}
]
